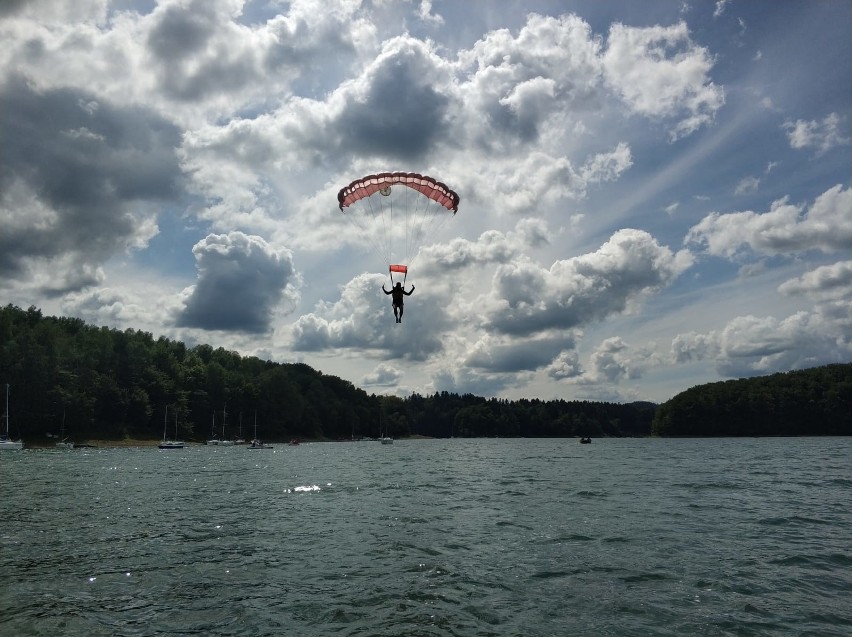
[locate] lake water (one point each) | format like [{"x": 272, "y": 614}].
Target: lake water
[{"x": 431, "y": 537}]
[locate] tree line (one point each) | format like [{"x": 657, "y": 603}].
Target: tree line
[
  {"x": 809, "y": 402},
  {"x": 111, "y": 384}
]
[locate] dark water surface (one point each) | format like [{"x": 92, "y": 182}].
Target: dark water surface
[{"x": 431, "y": 537}]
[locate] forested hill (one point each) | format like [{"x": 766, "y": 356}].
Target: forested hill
[
  {"x": 809, "y": 402},
  {"x": 112, "y": 384}
]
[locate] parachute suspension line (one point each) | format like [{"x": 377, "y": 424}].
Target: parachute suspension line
[
  {"x": 381, "y": 240},
  {"x": 362, "y": 210},
  {"x": 426, "y": 217}
]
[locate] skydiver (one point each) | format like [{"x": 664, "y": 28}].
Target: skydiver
[{"x": 397, "y": 297}]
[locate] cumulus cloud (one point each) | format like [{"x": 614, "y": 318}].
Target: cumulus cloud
[
  {"x": 462, "y": 380},
  {"x": 498, "y": 354},
  {"x": 784, "y": 229},
  {"x": 491, "y": 247},
  {"x": 825, "y": 282},
  {"x": 526, "y": 298},
  {"x": 611, "y": 362},
  {"x": 383, "y": 375},
  {"x": 513, "y": 86},
  {"x": 565, "y": 365},
  {"x": 693, "y": 346},
  {"x": 241, "y": 281},
  {"x": 750, "y": 345},
  {"x": 102, "y": 306},
  {"x": 527, "y": 184},
  {"x": 821, "y": 135},
  {"x": 79, "y": 179},
  {"x": 660, "y": 72}
]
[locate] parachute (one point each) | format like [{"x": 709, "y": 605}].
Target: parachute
[{"x": 397, "y": 212}]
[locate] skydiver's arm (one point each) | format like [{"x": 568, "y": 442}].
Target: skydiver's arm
[
  {"x": 384, "y": 290},
  {"x": 409, "y": 292}
]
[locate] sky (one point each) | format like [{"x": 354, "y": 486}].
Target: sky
[{"x": 653, "y": 195}]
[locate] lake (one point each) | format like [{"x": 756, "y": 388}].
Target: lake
[{"x": 431, "y": 537}]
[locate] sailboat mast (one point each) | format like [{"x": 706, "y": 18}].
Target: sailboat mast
[
  {"x": 165, "y": 421},
  {"x": 7, "y": 410}
]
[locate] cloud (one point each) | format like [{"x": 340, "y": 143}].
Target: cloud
[
  {"x": 693, "y": 346},
  {"x": 383, "y": 375},
  {"x": 823, "y": 135},
  {"x": 528, "y": 299},
  {"x": 747, "y": 185},
  {"x": 660, "y": 72},
  {"x": 79, "y": 182},
  {"x": 720, "y": 8},
  {"x": 241, "y": 280},
  {"x": 397, "y": 110},
  {"x": 750, "y": 345},
  {"x": 510, "y": 88},
  {"x": 491, "y": 247},
  {"x": 825, "y": 282},
  {"x": 565, "y": 365},
  {"x": 102, "y": 306},
  {"x": 461, "y": 380},
  {"x": 611, "y": 363},
  {"x": 785, "y": 229},
  {"x": 498, "y": 354}
]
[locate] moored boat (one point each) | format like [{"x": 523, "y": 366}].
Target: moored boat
[
  {"x": 166, "y": 443},
  {"x": 6, "y": 443}
]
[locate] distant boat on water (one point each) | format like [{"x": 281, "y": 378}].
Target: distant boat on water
[
  {"x": 166, "y": 443},
  {"x": 256, "y": 442},
  {"x": 239, "y": 440},
  {"x": 585, "y": 441},
  {"x": 6, "y": 443},
  {"x": 224, "y": 442},
  {"x": 63, "y": 441},
  {"x": 214, "y": 441},
  {"x": 385, "y": 439}
]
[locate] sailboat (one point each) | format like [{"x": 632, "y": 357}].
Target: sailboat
[
  {"x": 166, "y": 443},
  {"x": 384, "y": 439},
  {"x": 63, "y": 441},
  {"x": 213, "y": 439},
  {"x": 239, "y": 440},
  {"x": 5, "y": 441},
  {"x": 256, "y": 443},
  {"x": 224, "y": 442}
]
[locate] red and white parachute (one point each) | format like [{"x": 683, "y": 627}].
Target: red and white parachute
[{"x": 397, "y": 212}]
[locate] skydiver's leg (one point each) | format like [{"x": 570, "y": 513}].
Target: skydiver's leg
[
  {"x": 401, "y": 307},
  {"x": 395, "y": 314}
]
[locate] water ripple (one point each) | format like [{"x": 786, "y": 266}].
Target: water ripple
[{"x": 431, "y": 538}]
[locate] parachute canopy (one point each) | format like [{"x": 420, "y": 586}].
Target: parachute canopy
[
  {"x": 366, "y": 186},
  {"x": 397, "y": 211}
]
